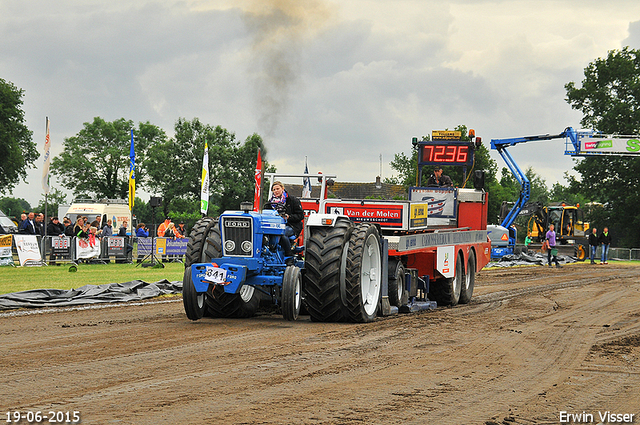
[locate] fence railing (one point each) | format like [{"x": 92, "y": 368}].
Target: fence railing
[
  {"x": 618, "y": 253},
  {"x": 118, "y": 249}
]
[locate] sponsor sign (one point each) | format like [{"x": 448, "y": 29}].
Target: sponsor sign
[
  {"x": 446, "y": 261},
  {"x": 87, "y": 249},
  {"x": 445, "y": 135},
  {"x": 418, "y": 217},
  {"x": 161, "y": 246},
  {"x": 441, "y": 201},
  {"x": 28, "y": 250},
  {"x": 61, "y": 247},
  {"x": 427, "y": 240},
  {"x": 172, "y": 246},
  {"x": 115, "y": 246},
  {"x": 387, "y": 215},
  {"x": 611, "y": 145},
  {"x": 6, "y": 259}
]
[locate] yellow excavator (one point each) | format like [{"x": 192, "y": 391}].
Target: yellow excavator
[{"x": 568, "y": 220}]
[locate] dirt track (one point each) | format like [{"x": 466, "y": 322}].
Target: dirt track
[{"x": 533, "y": 342}]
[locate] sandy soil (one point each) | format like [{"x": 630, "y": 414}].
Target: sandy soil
[{"x": 533, "y": 343}]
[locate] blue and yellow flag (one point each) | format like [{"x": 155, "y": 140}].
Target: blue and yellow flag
[{"x": 132, "y": 174}]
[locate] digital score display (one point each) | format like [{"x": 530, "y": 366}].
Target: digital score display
[{"x": 445, "y": 154}]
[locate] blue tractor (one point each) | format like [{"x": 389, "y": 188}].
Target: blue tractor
[{"x": 235, "y": 261}]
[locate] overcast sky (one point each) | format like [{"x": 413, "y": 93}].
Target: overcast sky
[{"x": 341, "y": 82}]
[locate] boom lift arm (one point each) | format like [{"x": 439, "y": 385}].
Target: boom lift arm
[{"x": 501, "y": 146}]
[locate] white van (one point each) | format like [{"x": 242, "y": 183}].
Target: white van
[{"x": 116, "y": 210}]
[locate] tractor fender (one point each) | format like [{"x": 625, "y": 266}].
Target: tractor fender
[{"x": 323, "y": 220}]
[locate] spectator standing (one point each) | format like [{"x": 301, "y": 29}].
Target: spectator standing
[
  {"x": 181, "y": 230},
  {"x": 55, "y": 228},
  {"x": 169, "y": 233},
  {"x": 39, "y": 222},
  {"x": 593, "y": 245},
  {"x": 141, "y": 232},
  {"x": 552, "y": 252},
  {"x": 163, "y": 227},
  {"x": 122, "y": 231},
  {"x": 127, "y": 246},
  {"x": 605, "y": 241},
  {"x": 68, "y": 227},
  {"x": 107, "y": 230},
  {"x": 161, "y": 232},
  {"x": 23, "y": 217},
  {"x": 80, "y": 229},
  {"x": 29, "y": 225},
  {"x": 528, "y": 240}
]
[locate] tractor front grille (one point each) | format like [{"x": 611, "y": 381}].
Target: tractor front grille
[{"x": 237, "y": 236}]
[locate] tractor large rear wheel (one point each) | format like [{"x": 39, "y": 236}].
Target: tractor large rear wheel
[
  {"x": 205, "y": 245},
  {"x": 364, "y": 273},
  {"x": 323, "y": 260},
  {"x": 447, "y": 291}
]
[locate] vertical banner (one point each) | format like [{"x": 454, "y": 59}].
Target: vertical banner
[
  {"x": 47, "y": 160},
  {"x": 161, "y": 246},
  {"x": 258, "y": 189},
  {"x": 6, "y": 259},
  {"x": 28, "y": 250},
  {"x": 204, "y": 184},
  {"x": 306, "y": 182},
  {"x": 132, "y": 174}
]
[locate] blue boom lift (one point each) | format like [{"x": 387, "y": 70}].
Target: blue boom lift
[{"x": 577, "y": 143}]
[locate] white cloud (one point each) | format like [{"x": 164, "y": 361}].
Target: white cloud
[{"x": 339, "y": 82}]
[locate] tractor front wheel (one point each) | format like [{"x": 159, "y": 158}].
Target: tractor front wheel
[
  {"x": 193, "y": 302},
  {"x": 291, "y": 293}
]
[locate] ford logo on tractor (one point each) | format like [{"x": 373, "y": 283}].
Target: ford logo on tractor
[{"x": 236, "y": 223}]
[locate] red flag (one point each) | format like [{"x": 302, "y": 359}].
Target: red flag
[{"x": 258, "y": 190}]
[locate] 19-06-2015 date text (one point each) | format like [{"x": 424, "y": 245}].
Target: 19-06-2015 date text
[{"x": 50, "y": 417}]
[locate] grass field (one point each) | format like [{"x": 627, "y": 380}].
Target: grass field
[{"x": 15, "y": 279}]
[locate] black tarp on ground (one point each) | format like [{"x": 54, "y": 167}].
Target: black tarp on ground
[
  {"x": 528, "y": 259},
  {"x": 135, "y": 290}
]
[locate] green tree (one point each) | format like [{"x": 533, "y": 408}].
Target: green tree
[
  {"x": 175, "y": 166},
  {"x": 17, "y": 151},
  {"x": 13, "y": 207},
  {"x": 609, "y": 99},
  {"x": 56, "y": 197},
  {"x": 96, "y": 160}
]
